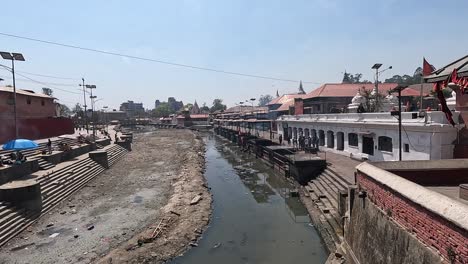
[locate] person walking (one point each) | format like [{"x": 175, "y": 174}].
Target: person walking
[
  {"x": 280, "y": 139},
  {"x": 49, "y": 146}
]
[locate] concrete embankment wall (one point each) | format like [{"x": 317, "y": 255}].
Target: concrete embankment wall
[{"x": 393, "y": 220}]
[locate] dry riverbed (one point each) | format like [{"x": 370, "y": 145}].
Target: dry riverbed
[{"x": 149, "y": 207}]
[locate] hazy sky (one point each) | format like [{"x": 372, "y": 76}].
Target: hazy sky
[{"x": 312, "y": 40}]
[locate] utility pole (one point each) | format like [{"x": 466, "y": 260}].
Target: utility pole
[
  {"x": 84, "y": 100},
  {"x": 19, "y": 57},
  {"x": 399, "y": 88}
]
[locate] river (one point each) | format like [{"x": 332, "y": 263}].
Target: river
[{"x": 254, "y": 218}]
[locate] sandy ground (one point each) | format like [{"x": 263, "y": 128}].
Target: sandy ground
[{"x": 138, "y": 211}]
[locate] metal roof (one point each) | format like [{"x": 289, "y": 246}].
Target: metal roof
[
  {"x": 25, "y": 92},
  {"x": 441, "y": 74}
]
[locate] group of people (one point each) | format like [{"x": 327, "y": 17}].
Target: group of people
[
  {"x": 302, "y": 142},
  {"x": 13, "y": 158}
]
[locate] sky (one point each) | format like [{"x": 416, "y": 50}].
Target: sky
[{"x": 312, "y": 40}]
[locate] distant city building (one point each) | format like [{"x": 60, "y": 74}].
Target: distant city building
[
  {"x": 157, "y": 103},
  {"x": 132, "y": 108},
  {"x": 174, "y": 105}
]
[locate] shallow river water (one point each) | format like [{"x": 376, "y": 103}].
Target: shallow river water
[{"x": 254, "y": 218}]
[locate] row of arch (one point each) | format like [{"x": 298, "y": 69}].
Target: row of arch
[{"x": 384, "y": 143}]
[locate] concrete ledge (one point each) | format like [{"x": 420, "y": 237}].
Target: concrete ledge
[
  {"x": 12, "y": 172},
  {"x": 54, "y": 158},
  {"x": 464, "y": 191},
  {"x": 24, "y": 194},
  {"x": 103, "y": 141},
  {"x": 100, "y": 156},
  {"x": 447, "y": 208}
]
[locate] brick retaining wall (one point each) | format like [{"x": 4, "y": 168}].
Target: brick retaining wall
[{"x": 430, "y": 228}]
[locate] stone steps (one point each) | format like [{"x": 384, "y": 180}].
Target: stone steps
[
  {"x": 55, "y": 187},
  {"x": 44, "y": 164},
  {"x": 324, "y": 191}
]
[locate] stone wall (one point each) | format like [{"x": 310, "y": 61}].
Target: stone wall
[{"x": 398, "y": 219}]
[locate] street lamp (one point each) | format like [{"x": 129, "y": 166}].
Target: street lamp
[
  {"x": 13, "y": 57},
  {"x": 84, "y": 99},
  {"x": 377, "y": 72},
  {"x": 398, "y": 89},
  {"x": 92, "y": 112}
]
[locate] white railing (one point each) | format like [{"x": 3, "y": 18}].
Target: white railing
[{"x": 435, "y": 117}]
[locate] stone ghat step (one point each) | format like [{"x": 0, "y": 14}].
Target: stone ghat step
[
  {"x": 56, "y": 187},
  {"x": 57, "y": 194},
  {"x": 48, "y": 188},
  {"x": 68, "y": 190}
]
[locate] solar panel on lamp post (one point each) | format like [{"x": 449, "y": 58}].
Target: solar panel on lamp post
[{"x": 19, "y": 57}]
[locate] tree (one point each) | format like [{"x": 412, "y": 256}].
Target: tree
[
  {"x": 264, "y": 99},
  {"x": 47, "y": 91},
  {"x": 205, "y": 108},
  {"x": 218, "y": 105},
  {"x": 77, "y": 110},
  {"x": 64, "y": 110},
  {"x": 407, "y": 79},
  {"x": 356, "y": 78},
  {"x": 188, "y": 106},
  {"x": 370, "y": 104},
  {"x": 162, "y": 110}
]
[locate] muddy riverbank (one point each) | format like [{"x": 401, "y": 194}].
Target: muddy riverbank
[{"x": 117, "y": 217}]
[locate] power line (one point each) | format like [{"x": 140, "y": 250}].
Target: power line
[
  {"x": 152, "y": 60},
  {"x": 39, "y": 82},
  {"x": 48, "y": 83},
  {"x": 49, "y": 76}
]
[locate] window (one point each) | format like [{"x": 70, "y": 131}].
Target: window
[
  {"x": 385, "y": 144},
  {"x": 28, "y": 101},
  {"x": 353, "y": 139},
  {"x": 406, "y": 148},
  {"x": 42, "y": 102}
]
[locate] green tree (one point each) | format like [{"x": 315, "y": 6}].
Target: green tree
[
  {"x": 205, "y": 108},
  {"x": 264, "y": 99},
  {"x": 218, "y": 105},
  {"x": 47, "y": 91},
  {"x": 163, "y": 110},
  {"x": 356, "y": 78},
  {"x": 188, "y": 106},
  {"x": 64, "y": 110}
]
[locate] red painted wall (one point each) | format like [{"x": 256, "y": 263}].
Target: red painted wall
[
  {"x": 35, "y": 128},
  {"x": 298, "y": 106},
  {"x": 429, "y": 228},
  {"x": 24, "y": 110}
]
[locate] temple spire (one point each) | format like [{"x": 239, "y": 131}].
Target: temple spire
[
  {"x": 301, "y": 90},
  {"x": 277, "y": 94}
]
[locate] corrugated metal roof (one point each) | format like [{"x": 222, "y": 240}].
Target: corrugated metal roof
[
  {"x": 440, "y": 74},
  {"x": 24, "y": 92},
  {"x": 285, "y": 98}
]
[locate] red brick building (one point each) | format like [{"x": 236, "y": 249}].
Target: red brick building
[{"x": 36, "y": 115}]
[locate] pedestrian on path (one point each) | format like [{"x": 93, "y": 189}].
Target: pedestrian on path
[
  {"x": 49, "y": 146},
  {"x": 280, "y": 139}
]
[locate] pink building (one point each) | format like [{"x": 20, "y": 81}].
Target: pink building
[{"x": 36, "y": 116}]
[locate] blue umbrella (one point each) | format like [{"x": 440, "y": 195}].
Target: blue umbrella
[{"x": 19, "y": 144}]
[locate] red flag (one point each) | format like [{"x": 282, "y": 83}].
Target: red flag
[
  {"x": 443, "y": 103},
  {"x": 427, "y": 68}
]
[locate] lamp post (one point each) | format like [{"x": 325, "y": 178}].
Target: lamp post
[
  {"x": 84, "y": 101},
  {"x": 377, "y": 73},
  {"x": 92, "y": 97},
  {"x": 398, "y": 89},
  {"x": 13, "y": 57}
]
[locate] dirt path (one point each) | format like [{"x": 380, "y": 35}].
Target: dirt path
[{"x": 113, "y": 219}]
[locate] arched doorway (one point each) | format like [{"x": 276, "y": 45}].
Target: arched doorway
[
  {"x": 306, "y": 132},
  {"x": 340, "y": 141},
  {"x": 330, "y": 139},
  {"x": 295, "y": 132},
  {"x": 321, "y": 138}
]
